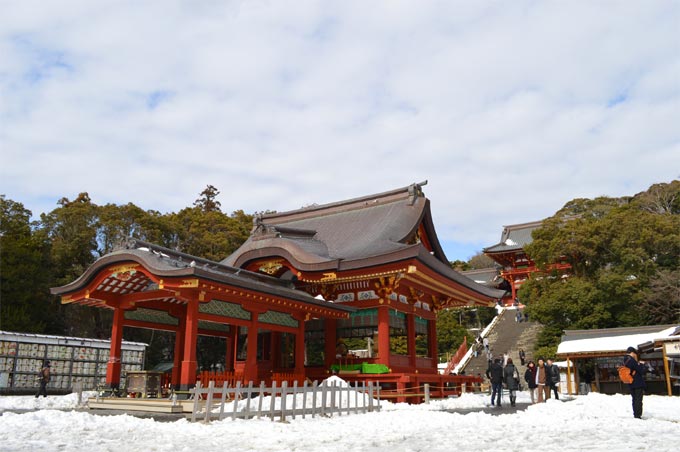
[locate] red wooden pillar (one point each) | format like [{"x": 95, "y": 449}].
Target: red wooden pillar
[
  {"x": 330, "y": 336},
  {"x": 179, "y": 351},
  {"x": 250, "y": 372},
  {"x": 300, "y": 344},
  {"x": 432, "y": 340},
  {"x": 514, "y": 290},
  {"x": 411, "y": 341},
  {"x": 230, "y": 361},
  {"x": 189, "y": 365},
  {"x": 383, "y": 335},
  {"x": 113, "y": 366}
]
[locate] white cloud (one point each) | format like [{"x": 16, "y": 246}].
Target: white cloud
[{"x": 509, "y": 109}]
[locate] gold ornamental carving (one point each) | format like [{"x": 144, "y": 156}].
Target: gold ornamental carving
[
  {"x": 124, "y": 268},
  {"x": 328, "y": 291},
  {"x": 384, "y": 287},
  {"x": 124, "y": 272},
  {"x": 440, "y": 303},
  {"x": 271, "y": 267},
  {"x": 188, "y": 283},
  {"x": 329, "y": 276},
  {"x": 414, "y": 295}
]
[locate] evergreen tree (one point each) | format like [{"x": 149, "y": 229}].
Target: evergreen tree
[
  {"x": 451, "y": 331},
  {"x": 205, "y": 231},
  {"x": 24, "y": 273},
  {"x": 208, "y": 201}
]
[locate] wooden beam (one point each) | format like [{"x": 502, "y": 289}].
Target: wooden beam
[
  {"x": 666, "y": 369},
  {"x": 150, "y": 325}
]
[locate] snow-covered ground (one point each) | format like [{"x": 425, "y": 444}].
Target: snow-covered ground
[{"x": 594, "y": 422}]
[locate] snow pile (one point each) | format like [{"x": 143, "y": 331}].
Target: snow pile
[{"x": 66, "y": 402}]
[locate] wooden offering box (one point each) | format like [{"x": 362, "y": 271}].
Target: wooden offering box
[{"x": 144, "y": 383}]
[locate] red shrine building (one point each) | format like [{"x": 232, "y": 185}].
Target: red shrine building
[
  {"x": 351, "y": 286},
  {"x": 515, "y": 265}
]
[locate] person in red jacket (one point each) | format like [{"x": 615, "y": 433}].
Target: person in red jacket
[{"x": 637, "y": 387}]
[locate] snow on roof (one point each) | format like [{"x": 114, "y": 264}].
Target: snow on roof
[{"x": 615, "y": 343}]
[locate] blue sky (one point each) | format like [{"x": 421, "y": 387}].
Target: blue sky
[{"x": 508, "y": 109}]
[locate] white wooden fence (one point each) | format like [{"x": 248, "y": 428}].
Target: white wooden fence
[{"x": 246, "y": 402}]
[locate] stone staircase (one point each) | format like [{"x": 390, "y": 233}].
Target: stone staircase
[{"x": 507, "y": 336}]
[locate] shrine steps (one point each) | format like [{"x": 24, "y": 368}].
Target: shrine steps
[{"x": 147, "y": 405}]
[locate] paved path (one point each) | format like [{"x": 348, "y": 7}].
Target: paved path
[{"x": 493, "y": 410}]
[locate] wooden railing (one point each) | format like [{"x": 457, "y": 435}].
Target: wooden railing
[
  {"x": 318, "y": 399},
  {"x": 457, "y": 357},
  {"x": 219, "y": 378},
  {"x": 288, "y": 377}
]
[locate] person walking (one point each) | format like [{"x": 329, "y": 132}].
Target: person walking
[
  {"x": 541, "y": 381},
  {"x": 637, "y": 387},
  {"x": 522, "y": 356},
  {"x": 511, "y": 377},
  {"x": 44, "y": 376},
  {"x": 553, "y": 377},
  {"x": 530, "y": 378},
  {"x": 495, "y": 375}
]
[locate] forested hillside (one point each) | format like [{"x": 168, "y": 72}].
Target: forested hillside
[{"x": 625, "y": 255}]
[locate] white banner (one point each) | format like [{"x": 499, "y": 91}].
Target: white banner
[{"x": 672, "y": 348}]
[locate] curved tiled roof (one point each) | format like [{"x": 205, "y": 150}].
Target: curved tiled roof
[
  {"x": 360, "y": 228},
  {"x": 514, "y": 237},
  {"x": 168, "y": 263},
  {"x": 357, "y": 233}
]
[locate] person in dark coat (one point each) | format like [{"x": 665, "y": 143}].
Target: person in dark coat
[
  {"x": 637, "y": 387},
  {"x": 495, "y": 374},
  {"x": 553, "y": 377},
  {"x": 522, "y": 356},
  {"x": 511, "y": 377},
  {"x": 44, "y": 379},
  {"x": 530, "y": 378}
]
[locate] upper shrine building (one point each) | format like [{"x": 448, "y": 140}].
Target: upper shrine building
[
  {"x": 515, "y": 266},
  {"x": 367, "y": 272}
]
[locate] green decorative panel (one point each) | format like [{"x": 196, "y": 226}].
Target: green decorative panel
[
  {"x": 224, "y": 309},
  {"x": 151, "y": 315},
  {"x": 397, "y": 319},
  {"x": 278, "y": 318},
  {"x": 361, "y": 318},
  {"x": 213, "y": 326},
  {"x": 422, "y": 325}
]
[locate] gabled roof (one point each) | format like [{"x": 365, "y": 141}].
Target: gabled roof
[
  {"x": 514, "y": 237},
  {"x": 321, "y": 236}
]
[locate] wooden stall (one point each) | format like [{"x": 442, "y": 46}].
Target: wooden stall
[{"x": 593, "y": 357}]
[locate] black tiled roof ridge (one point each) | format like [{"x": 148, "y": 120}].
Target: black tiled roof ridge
[
  {"x": 407, "y": 190},
  {"x": 528, "y": 224}
]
